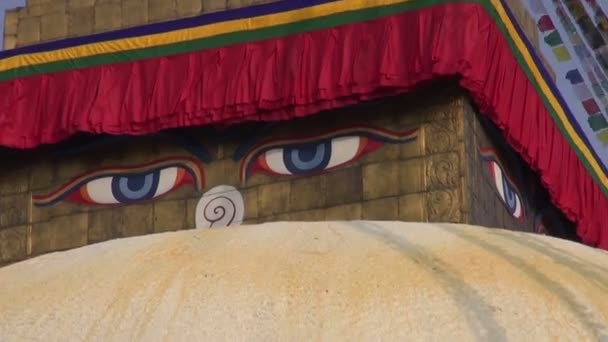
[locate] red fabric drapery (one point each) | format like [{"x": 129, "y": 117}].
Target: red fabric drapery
[{"x": 302, "y": 74}]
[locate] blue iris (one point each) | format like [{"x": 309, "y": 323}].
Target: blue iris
[
  {"x": 135, "y": 187},
  {"x": 304, "y": 158},
  {"x": 510, "y": 196}
]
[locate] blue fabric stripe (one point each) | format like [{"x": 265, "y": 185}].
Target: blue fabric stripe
[{"x": 201, "y": 20}]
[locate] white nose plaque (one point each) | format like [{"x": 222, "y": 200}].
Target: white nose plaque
[{"x": 222, "y": 206}]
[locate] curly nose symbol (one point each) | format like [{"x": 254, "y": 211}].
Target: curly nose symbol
[{"x": 222, "y": 206}]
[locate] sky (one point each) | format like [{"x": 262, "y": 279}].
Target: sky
[{"x": 4, "y": 5}]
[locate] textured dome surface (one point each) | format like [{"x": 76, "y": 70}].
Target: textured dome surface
[{"x": 312, "y": 281}]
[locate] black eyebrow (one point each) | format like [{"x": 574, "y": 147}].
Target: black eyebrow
[
  {"x": 190, "y": 144},
  {"x": 79, "y": 145},
  {"x": 183, "y": 140},
  {"x": 255, "y": 135}
]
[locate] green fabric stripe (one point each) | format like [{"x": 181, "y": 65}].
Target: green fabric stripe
[
  {"x": 294, "y": 28},
  {"x": 227, "y": 39}
]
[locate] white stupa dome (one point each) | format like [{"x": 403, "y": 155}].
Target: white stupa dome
[{"x": 332, "y": 281}]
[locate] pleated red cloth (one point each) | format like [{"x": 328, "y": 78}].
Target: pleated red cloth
[{"x": 303, "y": 74}]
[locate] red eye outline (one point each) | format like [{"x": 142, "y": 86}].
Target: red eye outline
[
  {"x": 189, "y": 171},
  {"x": 371, "y": 138}
]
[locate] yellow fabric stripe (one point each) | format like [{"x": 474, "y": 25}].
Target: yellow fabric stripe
[
  {"x": 133, "y": 43},
  {"x": 549, "y": 94}
]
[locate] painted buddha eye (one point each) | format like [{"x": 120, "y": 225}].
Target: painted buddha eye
[
  {"x": 127, "y": 185},
  {"x": 130, "y": 188},
  {"x": 505, "y": 187},
  {"x": 317, "y": 154}
]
